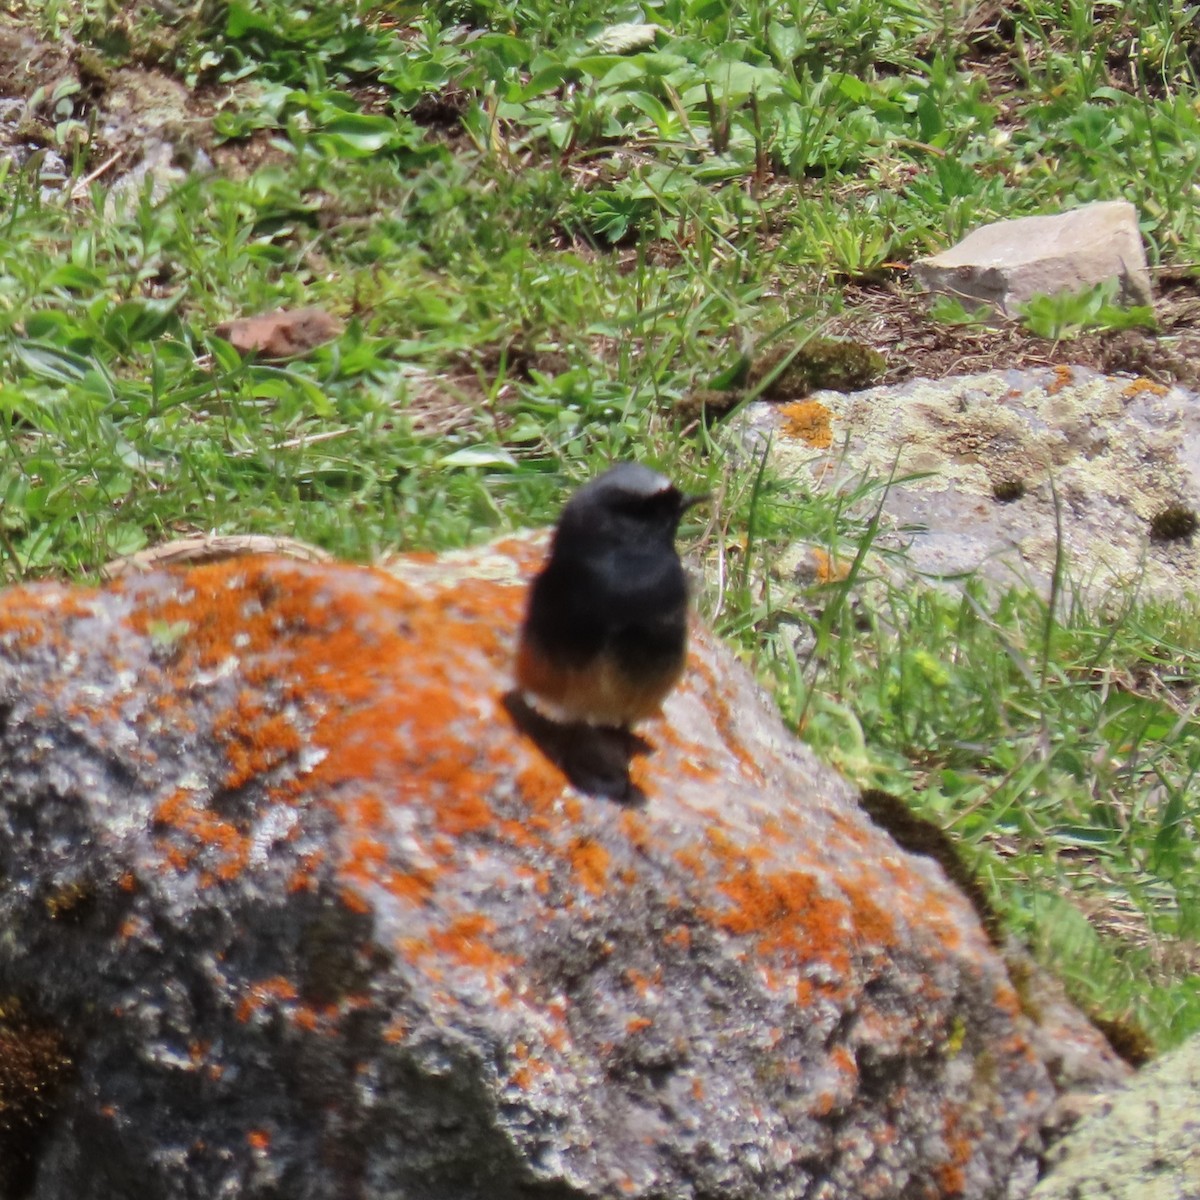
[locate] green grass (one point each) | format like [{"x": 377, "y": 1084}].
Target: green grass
[
  {"x": 1061, "y": 753},
  {"x": 621, "y": 205}
]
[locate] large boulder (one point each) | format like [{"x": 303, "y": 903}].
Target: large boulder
[{"x": 309, "y": 916}]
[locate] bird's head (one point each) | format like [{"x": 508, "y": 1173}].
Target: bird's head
[{"x": 629, "y": 504}]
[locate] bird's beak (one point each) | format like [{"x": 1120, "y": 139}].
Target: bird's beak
[{"x": 686, "y": 502}]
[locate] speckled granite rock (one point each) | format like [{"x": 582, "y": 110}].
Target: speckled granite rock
[
  {"x": 315, "y": 920},
  {"x": 1143, "y": 1143}
]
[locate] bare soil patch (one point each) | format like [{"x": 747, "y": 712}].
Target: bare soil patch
[{"x": 896, "y": 321}]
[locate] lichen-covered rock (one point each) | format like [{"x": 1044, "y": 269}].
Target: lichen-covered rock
[
  {"x": 1143, "y": 1143},
  {"x": 316, "y": 920},
  {"x": 1016, "y": 475}
]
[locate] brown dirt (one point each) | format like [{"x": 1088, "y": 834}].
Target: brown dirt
[{"x": 894, "y": 319}]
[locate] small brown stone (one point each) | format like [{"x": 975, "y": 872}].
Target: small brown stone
[{"x": 286, "y": 333}]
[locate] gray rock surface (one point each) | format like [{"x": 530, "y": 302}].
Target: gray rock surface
[
  {"x": 1142, "y": 1143},
  {"x": 315, "y": 920},
  {"x": 999, "y": 472},
  {"x": 1008, "y": 262}
]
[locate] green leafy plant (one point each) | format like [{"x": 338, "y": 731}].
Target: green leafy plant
[
  {"x": 1068, "y": 314},
  {"x": 950, "y": 310}
]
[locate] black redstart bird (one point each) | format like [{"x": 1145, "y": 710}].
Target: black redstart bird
[{"x": 605, "y": 634}]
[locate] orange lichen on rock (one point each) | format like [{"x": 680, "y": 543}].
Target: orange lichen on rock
[
  {"x": 679, "y": 938},
  {"x": 872, "y": 925},
  {"x": 826, "y": 567},
  {"x": 542, "y": 783},
  {"x": 1142, "y": 387},
  {"x": 218, "y": 845},
  {"x": 304, "y": 876},
  {"x": 256, "y": 739},
  {"x": 359, "y": 785},
  {"x": 363, "y": 678},
  {"x": 468, "y": 940},
  {"x": 810, "y": 421},
  {"x": 786, "y": 914},
  {"x": 24, "y": 626},
  {"x": 264, "y": 993},
  {"x": 590, "y": 861},
  {"x": 951, "y": 1174},
  {"x": 723, "y": 718},
  {"x": 842, "y": 1060},
  {"x": 642, "y": 983},
  {"x": 414, "y": 886},
  {"x": 355, "y": 901},
  {"x": 1064, "y": 376}
]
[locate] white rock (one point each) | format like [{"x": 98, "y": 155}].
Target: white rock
[{"x": 1008, "y": 262}]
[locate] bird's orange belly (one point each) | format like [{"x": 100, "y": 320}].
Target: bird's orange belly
[{"x": 602, "y": 693}]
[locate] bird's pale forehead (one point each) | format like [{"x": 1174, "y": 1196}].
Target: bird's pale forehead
[
  {"x": 647, "y": 490},
  {"x": 634, "y": 480}
]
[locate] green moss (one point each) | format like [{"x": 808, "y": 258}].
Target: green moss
[
  {"x": 94, "y": 74},
  {"x": 1008, "y": 489},
  {"x": 706, "y": 404},
  {"x": 1173, "y": 523},
  {"x": 787, "y": 371}
]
